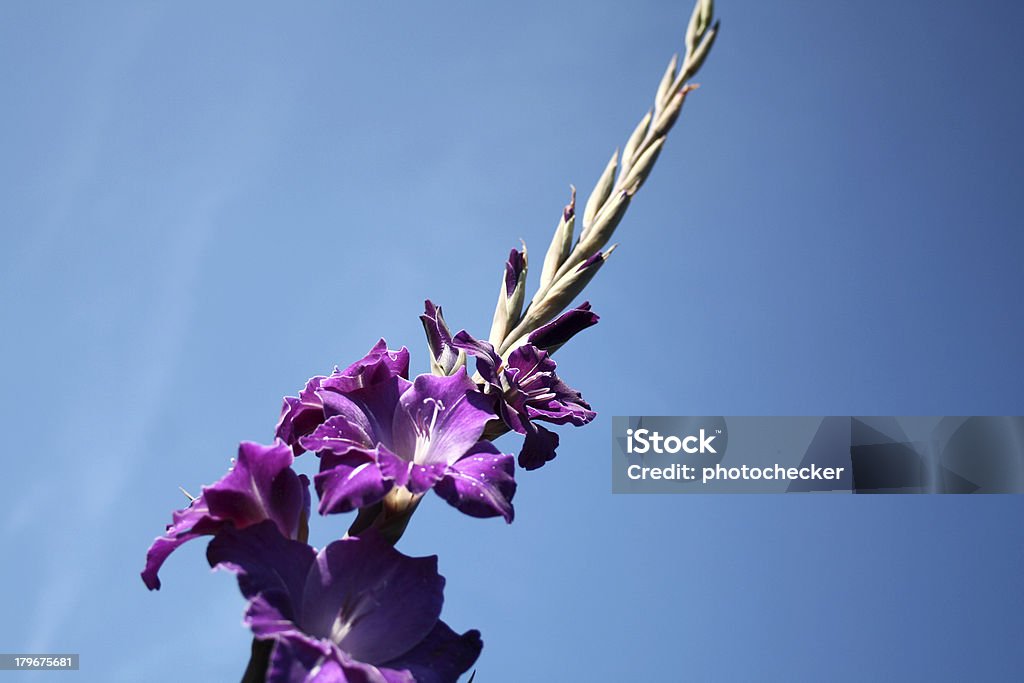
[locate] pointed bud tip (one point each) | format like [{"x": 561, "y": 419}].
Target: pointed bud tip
[{"x": 590, "y": 261}]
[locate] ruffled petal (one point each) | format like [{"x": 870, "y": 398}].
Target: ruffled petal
[
  {"x": 537, "y": 393},
  {"x": 487, "y": 359},
  {"x": 481, "y": 484},
  {"x": 260, "y": 486},
  {"x": 538, "y": 447},
  {"x": 423, "y": 477},
  {"x": 442, "y": 657},
  {"x": 340, "y": 433},
  {"x": 371, "y": 600},
  {"x": 378, "y": 365},
  {"x": 192, "y": 522},
  {"x": 300, "y": 415},
  {"x": 272, "y": 573},
  {"x": 357, "y": 479}
]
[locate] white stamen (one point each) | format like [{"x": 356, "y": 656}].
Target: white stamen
[{"x": 424, "y": 431}]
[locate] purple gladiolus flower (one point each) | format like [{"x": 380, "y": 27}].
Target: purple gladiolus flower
[
  {"x": 260, "y": 486},
  {"x": 418, "y": 435},
  {"x": 301, "y": 414},
  {"x": 358, "y": 610},
  {"x": 530, "y": 390}
]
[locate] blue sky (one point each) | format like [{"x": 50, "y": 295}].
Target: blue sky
[{"x": 206, "y": 204}]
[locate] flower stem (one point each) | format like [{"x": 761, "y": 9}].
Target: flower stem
[
  {"x": 390, "y": 516},
  {"x": 259, "y": 660}
]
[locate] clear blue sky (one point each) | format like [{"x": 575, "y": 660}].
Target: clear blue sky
[{"x": 206, "y": 203}]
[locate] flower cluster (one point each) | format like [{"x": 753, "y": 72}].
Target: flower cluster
[{"x": 359, "y": 610}]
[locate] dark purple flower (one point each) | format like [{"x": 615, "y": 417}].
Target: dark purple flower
[
  {"x": 301, "y": 414},
  {"x": 261, "y": 485},
  {"x": 420, "y": 435},
  {"x": 530, "y": 391},
  {"x": 358, "y": 610}
]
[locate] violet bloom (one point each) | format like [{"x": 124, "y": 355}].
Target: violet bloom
[
  {"x": 358, "y": 610},
  {"x": 301, "y": 414},
  {"x": 261, "y": 485},
  {"x": 530, "y": 390},
  {"x": 418, "y": 435}
]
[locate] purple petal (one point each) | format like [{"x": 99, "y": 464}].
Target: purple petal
[
  {"x": 300, "y": 415},
  {"x": 357, "y": 479},
  {"x": 341, "y": 433},
  {"x": 358, "y": 672},
  {"x": 442, "y": 657},
  {"x": 511, "y": 418},
  {"x": 157, "y": 554},
  {"x": 481, "y": 484},
  {"x": 487, "y": 360},
  {"x": 538, "y": 447},
  {"x": 563, "y": 328},
  {"x": 192, "y": 522},
  {"x": 536, "y": 392},
  {"x": 421, "y": 478},
  {"x": 372, "y": 600},
  {"x": 297, "y": 660},
  {"x": 514, "y": 267},
  {"x": 292, "y": 660},
  {"x": 597, "y": 258},
  {"x": 272, "y": 573},
  {"x": 371, "y": 408},
  {"x": 439, "y": 338},
  {"x": 440, "y": 418},
  {"x": 261, "y": 485},
  {"x": 562, "y": 411},
  {"x": 394, "y": 676},
  {"x": 378, "y": 365}
]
